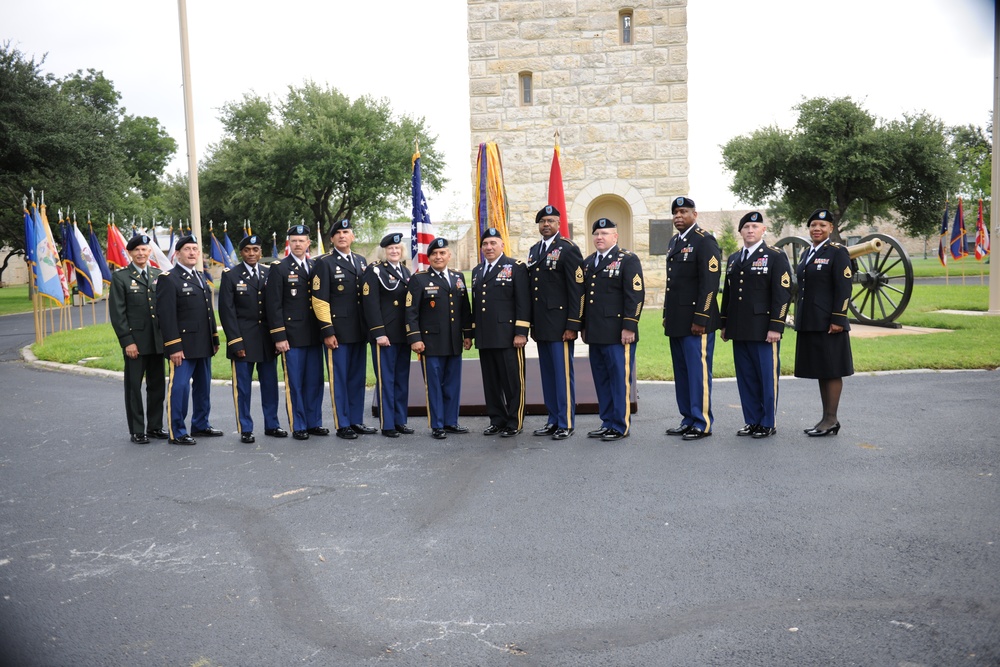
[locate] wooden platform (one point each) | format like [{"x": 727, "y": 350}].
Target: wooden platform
[{"x": 474, "y": 403}]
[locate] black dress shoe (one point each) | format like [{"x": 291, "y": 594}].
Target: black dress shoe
[
  {"x": 318, "y": 430},
  {"x": 680, "y": 430},
  {"x": 208, "y": 433},
  {"x": 696, "y": 434},
  {"x": 361, "y": 429},
  {"x": 509, "y": 432},
  {"x": 300, "y": 435},
  {"x": 562, "y": 433},
  {"x": 247, "y": 437},
  {"x": 276, "y": 432},
  {"x": 183, "y": 440},
  {"x": 548, "y": 429},
  {"x": 748, "y": 429},
  {"x": 597, "y": 433},
  {"x": 390, "y": 433},
  {"x": 140, "y": 439},
  {"x": 347, "y": 433},
  {"x": 764, "y": 432},
  {"x": 820, "y": 432},
  {"x": 612, "y": 434},
  {"x": 404, "y": 429},
  {"x": 455, "y": 428},
  {"x": 158, "y": 433},
  {"x": 492, "y": 429},
  {"x": 438, "y": 434}
]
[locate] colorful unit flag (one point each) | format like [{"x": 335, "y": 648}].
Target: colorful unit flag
[
  {"x": 274, "y": 245},
  {"x": 88, "y": 273},
  {"x": 227, "y": 245},
  {"x": 982, "y": 236},
  {"x": 491, "y": 194},
  {"x": 421, "y": 231},
  {"x": 557, "y": 197},
  {"x": 157, "y": 257},
  {"x": 218, "y": 254},
  {"x": 942, "y": 243},
  {"x": 958, "y": 250},
  {"x": 95, "y": 250},
  {"x": 49, "y": 277}
]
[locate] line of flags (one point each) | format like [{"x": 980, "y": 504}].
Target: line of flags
[
  {"x": 955, "y": 244},
  {"x": 421, "y": 230}
]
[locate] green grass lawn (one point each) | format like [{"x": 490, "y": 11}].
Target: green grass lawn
[
  {"x": 973, "y": 342},
  {"x": 14, "y": 299},
  {"x": 972, "y": 270}
]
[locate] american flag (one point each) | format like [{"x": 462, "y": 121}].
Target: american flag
[{"x": 421, "y": 232}]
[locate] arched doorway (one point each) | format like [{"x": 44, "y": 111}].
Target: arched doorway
[{"x": 613, "y": 208}]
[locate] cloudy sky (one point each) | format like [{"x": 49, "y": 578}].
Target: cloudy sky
[{"x": 749, "y": 63}]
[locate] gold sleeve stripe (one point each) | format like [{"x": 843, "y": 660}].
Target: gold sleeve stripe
[
  {"x": 173, "y": 342},
  {"x": 322, "y": 310},
  {"x": 277, "y": 330},
  {"x": 522, "y": 323},
  {"x": 234, "y": 341}
]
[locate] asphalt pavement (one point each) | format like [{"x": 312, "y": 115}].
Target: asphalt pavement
[{"x": 878, "y": 546}]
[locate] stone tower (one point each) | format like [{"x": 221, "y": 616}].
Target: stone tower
[{"x": 611, "y": 77}]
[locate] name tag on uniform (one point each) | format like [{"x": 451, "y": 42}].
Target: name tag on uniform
[{"x": 241, "y": 287}]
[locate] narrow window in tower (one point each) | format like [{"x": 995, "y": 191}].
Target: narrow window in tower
[
  {"x": 625, "y": 25},
  {"x": 524, "y": 83}
]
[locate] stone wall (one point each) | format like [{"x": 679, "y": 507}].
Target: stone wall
[{"x": 621, "y": 110}]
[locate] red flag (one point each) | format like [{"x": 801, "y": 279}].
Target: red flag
[
  {"x": 557, "y": 197},
  {"x": 982, "y": 236},
  {"x": 118, "y": 256}
]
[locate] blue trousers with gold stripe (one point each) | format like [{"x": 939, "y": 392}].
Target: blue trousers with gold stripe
[
  {"x": 692, "y": 359},
  {"x": 758, "y": 366},
  {"x": 192, "y": 378},
  {"x": 613, "y": 367},
  {"x": 267, "y": 375},
  {"x": 555, "y": 361},
  {"x": 443, "y": 382},
  {"x": 346, "y": 367},
  {"x": 392, "y": 383},
  {"x": 304, "y": 386}
]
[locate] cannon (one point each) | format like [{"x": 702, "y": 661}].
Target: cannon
[{"x": 883, "y": 276}]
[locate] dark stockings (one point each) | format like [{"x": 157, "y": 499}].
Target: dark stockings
[{"x": 829, "y": 393}]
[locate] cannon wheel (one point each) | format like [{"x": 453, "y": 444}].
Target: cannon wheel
[{"x": 883, "y": 283}]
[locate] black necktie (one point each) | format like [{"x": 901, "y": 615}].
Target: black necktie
[
  {"x": 142, "y": 274},
  {"x": 746, "y": 253}
]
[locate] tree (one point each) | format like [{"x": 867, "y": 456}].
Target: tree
[
  {"x": 841, "y": 157},
  {"x": 973, "y": 151},
  {"x": 71, "y": 139},
  {"x": 315, "y": 155}
]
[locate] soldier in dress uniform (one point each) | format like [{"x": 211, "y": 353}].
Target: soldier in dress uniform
[
  {"x": 554, "y": 265},
  {"x": 755, "y": 298},
  {"x": 690, "y": 318},
  {"x": 438, "y": 328},
  {"x": 133, "y": 317},
  {"x": 612, "y": 306},
  {"x": 190, "y": 340},
  {"x": 295, "y": 331},
  {"x": 248, "y": 340},
  {"x": 383, "y": 299},
  {"x": 336, "y": 295},
  {"x": 501, "y": 310},
  {"x": 823, "y": 341}
]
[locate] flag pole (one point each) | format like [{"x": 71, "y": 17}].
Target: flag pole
[
  {"x": 193, "y": 194},
  {"x": 994, "y": 302}
]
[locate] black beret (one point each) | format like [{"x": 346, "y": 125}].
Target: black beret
[
  {"x": 136, "y": 241},
  {"x": 752, "y": 216},
  {"x": 681, "y": 202},
  {"x": 183, "y": 241},
  {"x": 820, "y": 214},
  {"x": 339, "y": 225},
  {"x": 437, "y": 244},
  {"x": 298, "y": 230},
  {"x": 548, "y": 210},
  {"x": 253, "y": 239},
  {"x": 491, "y": 233},
  {"x": 602, "y": 223},
  {"x": 391, "y": 239}
]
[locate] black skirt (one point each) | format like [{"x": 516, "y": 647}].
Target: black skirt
[{"x": 822, "y": 355}]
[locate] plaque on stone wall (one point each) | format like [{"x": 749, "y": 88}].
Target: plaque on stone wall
[{"x": 660, "y": 232}]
